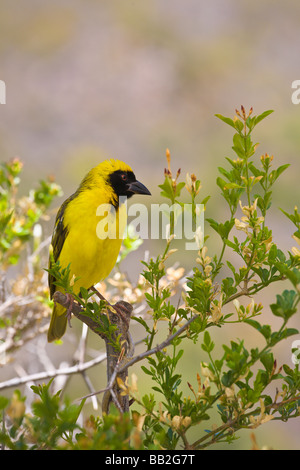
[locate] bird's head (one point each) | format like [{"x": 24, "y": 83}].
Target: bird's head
[
  {"x": 124, "y": 183},
  {"x": 118, "y": 177}
]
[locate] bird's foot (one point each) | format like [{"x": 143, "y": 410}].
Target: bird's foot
[
  {"x": 69, "y": 309},
  {"x": 123, "y": 309}
]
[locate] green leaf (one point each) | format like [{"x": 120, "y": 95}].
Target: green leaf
[
  {"x": 4, "y": 220},
  {"x": 207, "y": 345},
  {"x": 295, "y": 218},
  {"x": 179, "y": 187},
  {"x": 267, "y": 359},
  {"x": 167, "y": 189},
  {"x": 272, "y": 253},
  {"x": 84, "y": 293},
  {"x": 142, "y": 322},
  {"x": 226, "y": 120},
  {"x": 221, "y": 183},
  {"x": 265, "y": 330},
  {"x": 228, "y": 378},
  {"x": 147, "y": 371},
  {"x": 262, "y": 116},
  {"x": 260, "y": 382},
  {"x": 225, "y": 173},
  {"x": 222, "y": 229},
  {"x": 278, "y": 336},
  {"x": 239, "y": 125},
  {"x": 227, "y": 286},
  {"x": 3, "y": 402},
  {"x": 239, "y": 145},
  {"x": 233, "y": 186},
  {"x": 284, "y": 306},
  {"x": 290, "y": 332},
  {"x": 281, "y": 169},
  {"x": 250, "y": 123}
]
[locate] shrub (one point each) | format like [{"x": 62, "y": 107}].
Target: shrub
[{"x": 234, "y": 386}]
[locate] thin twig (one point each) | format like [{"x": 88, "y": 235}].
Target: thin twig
[
  {"x": 159, "y": 347},
  {"x": 109, "y": 390},
  {"x": 122, "y": 366},
  {"x": 115, "y": 400},
  {"x": 90, "y": 387},
  {"x": 233, "y": 422},
  {"x": 17, "y": 381},
  {"x": 19, "y": 300}
]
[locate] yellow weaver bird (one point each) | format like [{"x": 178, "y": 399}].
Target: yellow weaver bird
[{"x": 79, "y": 238}]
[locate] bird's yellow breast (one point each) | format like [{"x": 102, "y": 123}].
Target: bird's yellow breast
[{"x": 94, "y": 237}]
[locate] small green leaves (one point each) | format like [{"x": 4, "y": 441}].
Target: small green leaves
[
  {"x": 250, "y": 122},
  {"x": 265, "y": 330},
  {"x": 49, "y": 422},
  {"x": 261, "y": 116},
  {"x": 19, "y": 215},
  {"x": 131, "y": 242},
  {"x": 285, "y": 305},
  {"x": 46, "y": 192},
  {"x": 4, "y": 401},
  {"x": 240, "y": 145},
  {"x": 207, "y": 345},
  {"x": 222, "y": 229},
  {"x": 228, "y": 287},
  {"x": 169, "y": 190},
  {"x": 227, "y": 120},
  {"x": 61, "y": 276},
  {"x": 295, "y": 219}
]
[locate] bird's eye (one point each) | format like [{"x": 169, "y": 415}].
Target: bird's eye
[{"x": 124, "y": 177}]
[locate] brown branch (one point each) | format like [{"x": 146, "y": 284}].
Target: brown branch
[
  {"x": 117, "y": 366},
  {"x": 123, "y": 365},
  {"x": 119, "y": 315},
  {"x": 17, "y": 381},
  {"x": 159, "y": 347},
  {"x": 77, "y": 310},
  {"x": 232, "y": 424}
]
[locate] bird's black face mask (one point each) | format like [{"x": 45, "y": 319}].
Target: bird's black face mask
[{"x": 124, "y": 183}]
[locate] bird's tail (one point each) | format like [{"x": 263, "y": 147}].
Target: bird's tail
[{"x": 58, "y": 323}]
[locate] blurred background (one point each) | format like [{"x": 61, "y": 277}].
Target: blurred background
[{"x": 89, "y": 80}]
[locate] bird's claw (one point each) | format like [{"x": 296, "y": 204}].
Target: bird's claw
[
  {"x": 123, "y": 309},
  {"x": 69, "y": 309}
]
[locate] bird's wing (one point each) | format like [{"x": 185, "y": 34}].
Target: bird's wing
[{"x": 59, "y": 236}]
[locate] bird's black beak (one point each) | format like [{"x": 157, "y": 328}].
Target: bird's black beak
[{"x": 138, "y": 188}]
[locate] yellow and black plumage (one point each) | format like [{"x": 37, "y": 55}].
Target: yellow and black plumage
[{"x": 75, "y": 240}]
